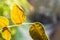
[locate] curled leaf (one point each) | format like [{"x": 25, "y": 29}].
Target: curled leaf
[
  {"x": 37, "y": 32},
  {"x": 4, "y": 22},
  {"x": 17, "y": 15},
  {"x": 6, "y": 33}
]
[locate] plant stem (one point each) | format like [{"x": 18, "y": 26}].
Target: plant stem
[{"x": 19, "y": 25}]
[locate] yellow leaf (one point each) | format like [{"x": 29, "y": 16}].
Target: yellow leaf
[
  {"x": 37, "y": 32},
  {"x": 6, "y": 33},
  {"x": 17, "y": 15},
  {"x": 4, "y": 22}
]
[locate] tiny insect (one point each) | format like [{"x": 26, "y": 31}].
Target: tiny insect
[
  {"x": 37, "y": 32},
  {"x": 17, "y": 15}
]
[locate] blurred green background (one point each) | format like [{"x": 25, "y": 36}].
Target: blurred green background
[
  {"x": 45, "y": 11},
  {"x": 21, "y": 32}
]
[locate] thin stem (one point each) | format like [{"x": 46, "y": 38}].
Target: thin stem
[
  {"x": 19, "y": 25},
  {"x": 28, "y": 23}
]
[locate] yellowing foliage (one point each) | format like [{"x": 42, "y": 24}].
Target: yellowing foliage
[
  {"x": 6, "y": 33},
  {"x": 37, "y": 32},
  {"x": 17, "y": 15},
  {"x": 3, "y": 22}
]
